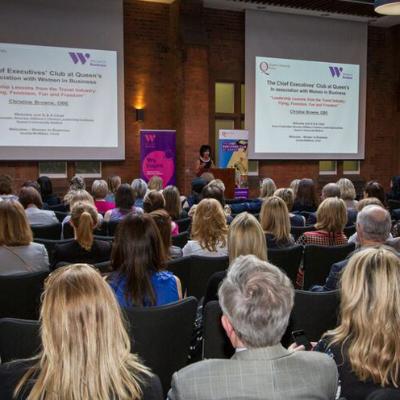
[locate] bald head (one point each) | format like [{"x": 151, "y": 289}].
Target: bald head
[
  {"x": 373, "y": 224},
  {"x": 330, "y": 190}
]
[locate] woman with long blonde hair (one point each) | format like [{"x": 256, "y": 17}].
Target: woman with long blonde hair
[
  {"x": 209, "y": 230},
  {"x": 275, "y": 221},
  {"x": 366, "y": 345},
  {"x": 85, "y": 347}
]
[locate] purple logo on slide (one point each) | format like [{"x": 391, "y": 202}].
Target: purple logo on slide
[
  {"x": 264, "y": 67},
  {"x": 336, "y": 71},
  {"x": 79, "y": 57}
]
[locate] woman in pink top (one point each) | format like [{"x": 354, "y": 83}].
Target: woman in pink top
[{"x": 99, "y": 191}]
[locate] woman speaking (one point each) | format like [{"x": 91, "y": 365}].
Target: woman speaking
[{"x": 205, "y": 162}]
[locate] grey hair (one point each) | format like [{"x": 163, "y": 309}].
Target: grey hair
[
  {"x": 268, "y": 188},
  {"x": 375, "y": 223},
  {"x": 139, "y": 187},
  {"x": 331, "y": 190},
  {"x": 257, "y": 298}
]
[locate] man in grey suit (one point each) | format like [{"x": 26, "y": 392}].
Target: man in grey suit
[{"x": 256, "y": 299}]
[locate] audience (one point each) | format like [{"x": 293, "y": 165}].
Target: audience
[
  {"x": 256, "y": 300},
  {"x": 375, "y": 189},
  {"x": 173, "y": 203},
  {"x": 215, "y": 191},
  {"x": 209, "y": 231},
  {"x": 330, "y": 190},
  {"x": 394, "y": 193},
  {"x": 6, "y": 188},
  {"x": 348, "y": 193},
  {"x": 84, "y": 248},
  {"x": 365, "y": 346},
  {"x": 99, "y": 192},
  {"x": 18, "y": 254},
  {"x": 124, "y": 204},
  {"x": 138, "y": 261},
  {"x": 275, "y": 221},
  {"x": 77, "y": 183},
  {"x": 139, "y": 187},
  {"x": 32, "y": 202},
  {"x": 267, "y": 188},
  {"x": 195, "y": 196},
  {"x": 155, "y": 183},
  {"x": 306, "y": 197},
  {"x": 46, "y": 191},
  {"x": 86, "y": 351},
  {"x": 114, "y": 182},
  {"x": 288, "y": 197},
  {"x": 294, "y": 185}
]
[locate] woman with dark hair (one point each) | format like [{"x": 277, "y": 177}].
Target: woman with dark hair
[
  {"x": 205, "y": 162},
  {"x": 138, "y": 261},
  {"x": 46, "y": 190},
  {"x": 124, "y": 204},
  {"x": 306, "y": 197},
  {"x": 394, "y": 193},
  {"x": 375, "y": 189}
]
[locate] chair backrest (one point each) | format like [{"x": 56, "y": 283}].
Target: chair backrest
[
  {"x": 215, "y": 342},
  {"x": 59, "y": 207},
  {"x": 181, "y": 268},
  {"x": 50, "y": 246},
  {"x": 349, "y": 230},
  {"x": 181, "y": 239},
  {"x": 183, "y": 224},
  {"x": 201, "y": 269},
  {"x": 20, "y": 295},
  {"x": 61, "y": 215},
  {"x": 52, "y": 231},
  {"x": 318, "y": 260},
  {"x": 287, "y": 259},
  {"x": 297, "y": 231},
  {"x": 393, "y": 204},
  {"x": 161, "y": 336},
  {"x": 112, "y": 227},
  {"x": 315, "y": 312},
  {"x": 19, "y": 338},
  {"x": 105, "y": 238},
  {"x": 68, "y": 230},
  {"x": 384, "y": 394}
]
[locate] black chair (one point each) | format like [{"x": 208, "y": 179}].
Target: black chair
[
  {"x": 59, "y": 207},
  {"x": 201, "y": 269},
  {"x": 297, "y": 231},
  {"x": 215, "y": 342},
  {"x": 318, "y": 260},
  {"x": 50, "y": 246},
  {"x": 384, "y": 394},
  {"x": 287, "y": 259},
  {"x": 19, "y": 338},
  {"x": 104, "y": 267},
  {"x": 183, "y": 224},
  {"x": 68, "y": 231},
  {"x": 315, "y": 312},
  {"x": 105, "y": 238},
  {"x": 393, "y": 205},
  {"x": 349, "y": 230},
  {"x": 52, "y": 231},
  {"x": 181, "y": 239},
  {"x": 102, "y": 230},
  {"x": 112, "y": 227},
  {"x": 61, "y": 215},
  {"x": 181, "y": 268},
  {"x": 161, "y": 336},
  {"x": 20, "y": 295}
]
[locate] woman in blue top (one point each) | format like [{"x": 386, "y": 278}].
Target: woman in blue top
[{"x": 138, "y": 261}]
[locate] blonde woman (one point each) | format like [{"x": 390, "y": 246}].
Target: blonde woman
[
  {"x": 114, "y": 182},
  {"x": 245, "y": 237},
  {"x": 267, "y": 188},
  {"x": 347, "y": 193},
  {"x": 275, "y": 222},
  {"x": 85, "y": 347},
  {"x": 366, "y": 344},
  {"x": 84, "y": 248},
  {"x": 155, "y": 183},
  {"x": 18, "y": 253},
  {"x": 287, "y": 195},
  {"x": 294, "y": 185},
  {"x": 173, "y": 203},
  {"x": 209, "y": 231}
]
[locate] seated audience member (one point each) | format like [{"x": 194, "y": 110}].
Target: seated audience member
[
  {"x": 46, "y": 191},
  {"x": 209, "y": 231},
  {"x": 155, "y": 183},
  {"x": 274, "y": 218},
  {"x": 394, "y": 193},
  {"x": 330, "y": 190},
  {"x": 77, "y": 183},
  {"x": 373, "y": 229},
  {"x": 348, "y": 193},
  {"x": 375, "y": 189},
  {"x": 306, "y": 197},
  {"x": 207, "y": 176},
  {"x": 84, "y": 248},
  {"x": 173, "y": 203},
  {"x": 256, "y": 300},
  {"x": 86, "y": 350},
  {"x": 331, "y": 220},
  {"x": 31, "y": 183},
  {"x": 138, "y": 261},
  {"x": 163, "y": 222},
  {"x": 294, "y": 185},
  {"x": 245, "y": 237},
  {"x": 212, "y": 191},
  {"x": 18, "y": 254},
  {"x": 195, "y": 197},
  {"x": 267, "y": 188},
  {"x": 32, "y": 203},
  {"x": 6, "y": 188},
  {"x": 124, "y": 204},
  {"x": 287, "y": 196},
  {"x": 139, "y": 187},
  {"x": 99, "y": 192},
  {"x": 366, "y": 346},
  {"x": 114, "y": 182}
]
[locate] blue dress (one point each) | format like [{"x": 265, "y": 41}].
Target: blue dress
[{"x": 164, "y": 286}]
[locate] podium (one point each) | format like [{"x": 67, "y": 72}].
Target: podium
[{"x": 227, "y": 175}]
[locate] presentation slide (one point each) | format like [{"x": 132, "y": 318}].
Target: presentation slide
[
  {"x": 306, "y": 106},
  {"x": 58, "y": 97}
]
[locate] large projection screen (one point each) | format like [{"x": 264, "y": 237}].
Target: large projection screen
[
  {"x": 305, "y": 87},
  {"x": 61, "y": 80}
]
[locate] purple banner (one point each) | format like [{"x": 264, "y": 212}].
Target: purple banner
[{"x": 157, "y": 155}]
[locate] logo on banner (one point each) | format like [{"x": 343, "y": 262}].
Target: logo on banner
[
  {"x": 336, "y": 71},
  {"x": 150, "y": 138},
  {"x": 264, "y": 67},
  {"x": 79, "y": 57}
]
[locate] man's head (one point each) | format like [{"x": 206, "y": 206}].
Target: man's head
[
  {"x": 373, "y": 225},
  {"x": 256, "y": 299},
  {"x": 330, "y": 190}
]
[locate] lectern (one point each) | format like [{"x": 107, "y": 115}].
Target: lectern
[{"x": 227, "y": 175}]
